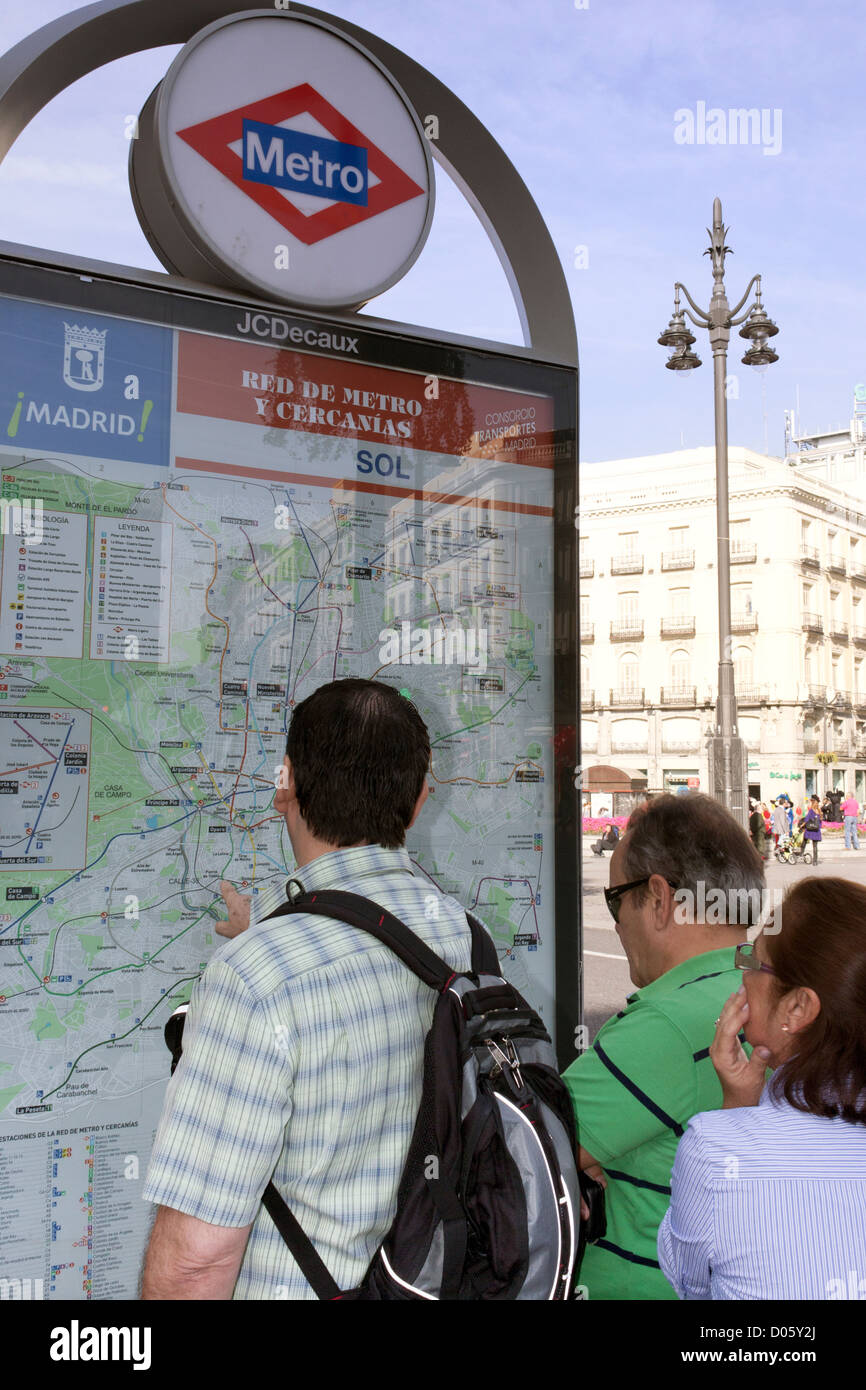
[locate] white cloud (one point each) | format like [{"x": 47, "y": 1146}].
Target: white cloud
[{"x": 78, "y": 173}]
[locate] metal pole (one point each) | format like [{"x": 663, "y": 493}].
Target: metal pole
[
  {"x": 719, "y": 337},
  {"x": 727, "y": 710},
  {"x": 727, "y": 752}
]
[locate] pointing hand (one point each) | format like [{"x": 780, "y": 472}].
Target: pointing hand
[{"x": 238, "y": 909}]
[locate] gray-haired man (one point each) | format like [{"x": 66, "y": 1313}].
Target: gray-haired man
[{"x": 685, "y": 883}]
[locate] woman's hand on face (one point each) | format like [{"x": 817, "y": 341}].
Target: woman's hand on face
[{"x": 742, "y": 1077}]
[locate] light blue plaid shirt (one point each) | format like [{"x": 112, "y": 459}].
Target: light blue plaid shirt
[{"x": 302, "y": 1059}]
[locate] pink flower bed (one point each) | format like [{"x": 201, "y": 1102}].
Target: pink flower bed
[{"x": 596, "y": 825}]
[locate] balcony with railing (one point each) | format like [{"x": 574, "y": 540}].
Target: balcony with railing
[
  {"x": 859, "y": 700},
  {"x": 836, "y": 564},
  {"x": 743, "y": 552},
  {"x": 587, "y": 699},
  {"x": 619, "y": 745},
  {"x": 810, "y": 747},
  {"x": 679, "y": 626},
  {"x": 751, "y": 694},
  {"x": 744, "y": 622},
  {"x": 678, "y": 559},
  {"x": 630, "y": 697},
  {"x": 587, "y": 567},
  {"x": 626, "y": 630},
  {"x": 682, "y": 745},
  {"x": 813, "y": 622},
  {"x": 841, "y": 703},
  {"x": 838, "y": 630},
  {"x": 858, "y": 634},
  {"x": 587, "y": 631},
  {"x": 860, "y": 750},
  {"x": 844, "y": 750},
  {"x": 679, "y": 694},
  {"x": 626, "y": 564},
  {"x": 810, "y": 555},
  {"x": 817, "y": 695},
  {"x": 856, "y": 570}
]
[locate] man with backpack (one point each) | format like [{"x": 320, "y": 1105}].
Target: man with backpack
[
  {"x": 294, "y": 1110},
  {"x": 607, "y": 841}
]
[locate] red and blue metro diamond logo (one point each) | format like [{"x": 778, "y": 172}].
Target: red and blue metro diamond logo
[{"x": 213, "y": 139}]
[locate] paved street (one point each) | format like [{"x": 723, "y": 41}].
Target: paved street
[{"x": 606, "y": 978}]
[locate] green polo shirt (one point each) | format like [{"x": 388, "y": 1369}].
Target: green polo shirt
[{"x": 634, "y": 1091}]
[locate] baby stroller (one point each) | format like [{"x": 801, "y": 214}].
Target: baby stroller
[{"x": 792, "y": 849}]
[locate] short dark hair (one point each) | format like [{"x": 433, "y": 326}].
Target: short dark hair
[
  {"x": 822, "y": 945},
  {"x": 690, "y": 840},
  {"x": 359, "y": 752}
]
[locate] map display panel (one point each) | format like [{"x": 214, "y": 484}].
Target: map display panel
[{"x": 289, "y": 518}]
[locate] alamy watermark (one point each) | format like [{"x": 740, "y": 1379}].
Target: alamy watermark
[
  {"x": 438, "y": 646},
  {"x": 738, "y": 125},
  {"x": 77, "y": 1343},
  {"x": 21, "y": 1290},
  {"x": 743, "y": 907},
  {"x": 22, "y": 517}
]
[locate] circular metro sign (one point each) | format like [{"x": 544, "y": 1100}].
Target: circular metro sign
[{"x": 279, "y": 155}]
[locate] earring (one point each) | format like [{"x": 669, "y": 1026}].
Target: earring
[{"x": 784, "y": 1027}]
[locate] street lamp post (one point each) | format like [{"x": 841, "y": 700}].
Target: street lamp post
[{"x": 727, "y": 754}]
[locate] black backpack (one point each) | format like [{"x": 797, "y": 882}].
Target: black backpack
[{"x": 488, "y": 1205}]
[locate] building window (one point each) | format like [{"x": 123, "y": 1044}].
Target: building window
[
  {"x": 628, "y": 542},
  {"x": 629, "y": 668},
  {"x": 741, "y": 600},
  {"x": 680, "y": 600},
  {"x": 626, "y": 606},
  {"x": 681, "y": 669},
  {"x": 744, "y": 671}
]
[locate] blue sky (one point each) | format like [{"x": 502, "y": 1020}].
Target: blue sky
[{"x": 583, "y": 101}]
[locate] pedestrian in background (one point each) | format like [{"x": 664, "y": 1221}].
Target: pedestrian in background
[
  {"x": 850, "y": 812},
  {"x": 780, "y": 820},
  {"x": 757, "y": 830},
  {"x": 810, "y": 824}
]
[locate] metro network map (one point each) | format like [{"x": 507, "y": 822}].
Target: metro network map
[{"x": 197, "y": 532}]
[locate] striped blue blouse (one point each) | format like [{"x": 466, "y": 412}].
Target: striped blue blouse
[{"x": 767, "y": 1202}]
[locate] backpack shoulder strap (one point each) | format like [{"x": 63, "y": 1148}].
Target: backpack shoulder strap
[
  {"x": 305, "y": 1254},
  {"x": 485, "y": 961},
  {"x": 416, "y": 954},
  {"x": 383, "y": 925}
]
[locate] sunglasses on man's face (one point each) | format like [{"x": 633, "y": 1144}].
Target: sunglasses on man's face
[{"x": 612, "y": 896}]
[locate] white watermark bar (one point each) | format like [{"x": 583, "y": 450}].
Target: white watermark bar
[{"x": 22, "y": 517}]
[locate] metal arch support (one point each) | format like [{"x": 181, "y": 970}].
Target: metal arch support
[{"x": 45, "y": 63}]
